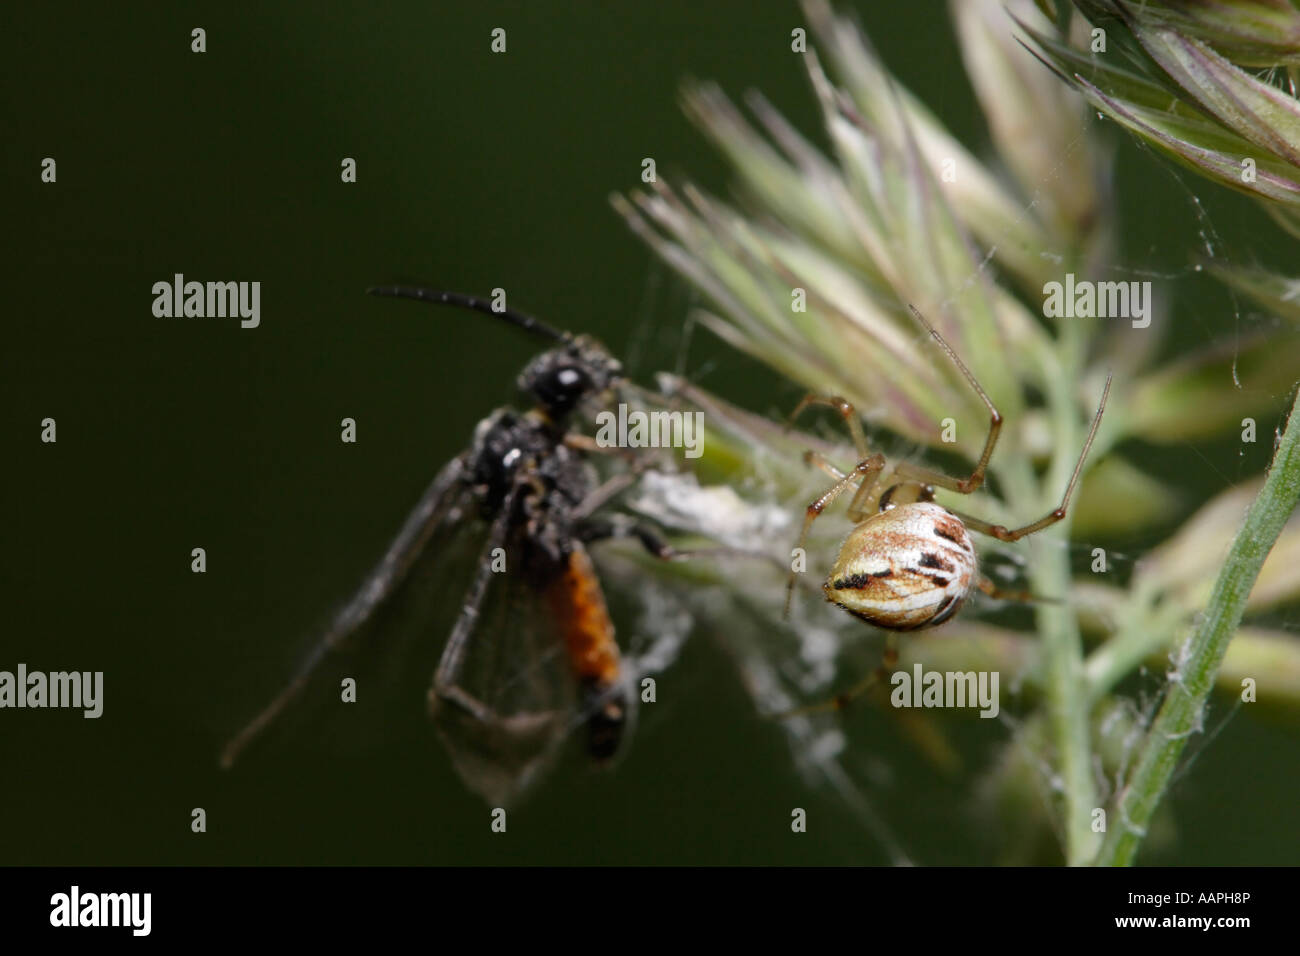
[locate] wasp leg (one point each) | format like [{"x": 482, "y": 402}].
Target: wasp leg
[
  {"x": 625, "y": 526},
  {"x": 444, "y": 679},
  {"x": 585, "y": 443},
  {"x": 603, "y": 494}
]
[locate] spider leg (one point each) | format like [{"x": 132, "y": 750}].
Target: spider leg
[
  {"x": 1003, "y": 594},
  {"x": 865, "y": 471},
  {"x": 888, "y": 661},
  {"x": 864, "y": 499},
  {"x": 818, "y": 460},
  {"x": 1015, "y": 534},
  {"x": 929, "y": 476},
  {"x": 845, "y": 409},
  {"x": 1003, "y": 533}
]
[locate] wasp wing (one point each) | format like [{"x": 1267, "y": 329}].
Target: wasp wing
[
  {"x": 509, "y": 695},
  {"x": 504, "y": 698},
  {"x": 445, "y": 504}
]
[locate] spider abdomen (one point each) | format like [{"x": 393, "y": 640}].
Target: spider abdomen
[{"x": 904, "y": 569}]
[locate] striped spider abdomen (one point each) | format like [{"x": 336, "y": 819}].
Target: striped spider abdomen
[{"x": 906, "y": 568}]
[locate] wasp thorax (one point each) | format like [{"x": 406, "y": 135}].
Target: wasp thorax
[{"x": 905, "y": 568}]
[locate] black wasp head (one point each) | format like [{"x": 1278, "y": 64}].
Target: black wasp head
[{"x": 562, "y": 378}]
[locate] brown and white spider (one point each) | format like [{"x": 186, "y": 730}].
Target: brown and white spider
[{"x": 909, "y": 563}]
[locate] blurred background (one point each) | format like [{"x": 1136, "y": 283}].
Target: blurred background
[{"x": 475, "y": 171}]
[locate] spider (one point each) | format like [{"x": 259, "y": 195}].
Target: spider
[{"x": 908, "y": 563}]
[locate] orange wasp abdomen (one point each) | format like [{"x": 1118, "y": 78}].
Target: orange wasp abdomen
[{"x": 579, "y": 609}]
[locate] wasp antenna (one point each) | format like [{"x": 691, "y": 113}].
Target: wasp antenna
[{"x": 460, "y": 300}]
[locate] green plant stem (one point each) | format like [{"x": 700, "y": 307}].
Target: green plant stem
[
  {"x": 1067, "y": 700},
  {"x": 1067, "y": 704},
  {"x": 1184, "y": 704}
]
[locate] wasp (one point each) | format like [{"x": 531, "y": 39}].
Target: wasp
[{"x": 533, "y": 644}]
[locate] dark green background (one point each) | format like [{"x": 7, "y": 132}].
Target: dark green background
[{"x": 475, "y": 171}]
